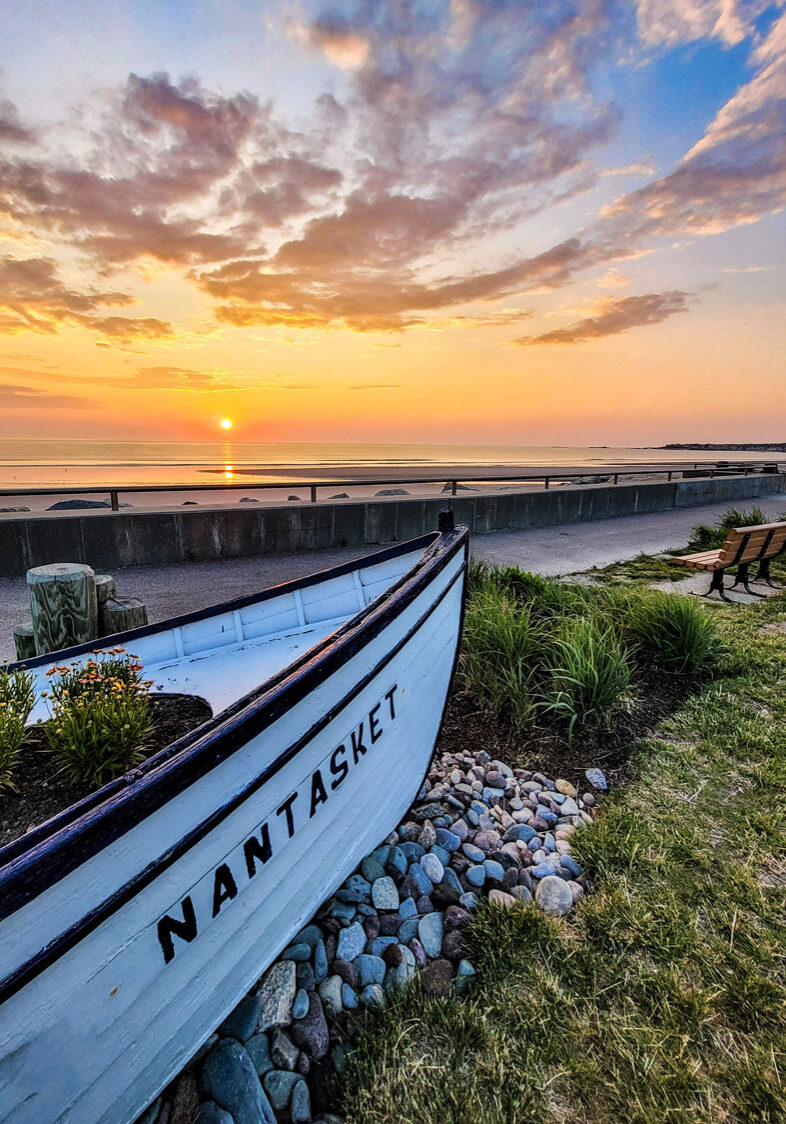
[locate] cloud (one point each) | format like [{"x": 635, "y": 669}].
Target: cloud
[
  {"x": 668, "y": 22},
  {"x": 376, "y": 386},
  {"x": 450, "y": 123},
  {"x": 174, "y": 378},
  {"x": 33, "y": 298},
  {"x": 28, "y": 398},
  {"x": 616, "y": 316},
  {"x": 613, "y": 279},
  {"x": 12, "y": 130}
]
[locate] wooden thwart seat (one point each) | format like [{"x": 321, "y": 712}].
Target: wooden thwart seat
[{"x": 741, "y": 548}]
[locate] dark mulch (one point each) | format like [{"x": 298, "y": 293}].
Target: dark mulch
[
  {"x": 42, "y": 792},
  {"x": 549, "y": 751}
]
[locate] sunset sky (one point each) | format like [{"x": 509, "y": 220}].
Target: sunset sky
[{"x": 449, "y": 220}]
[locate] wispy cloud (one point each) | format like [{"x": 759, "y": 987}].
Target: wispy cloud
[
  {"x": 615, "y": 316},
  {"x": 14, "y": 397}
]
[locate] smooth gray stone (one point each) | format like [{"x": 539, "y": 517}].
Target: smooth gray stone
[
  {"x": 430, "y": 933},
  {"x": 384, "y": 894},
  {"x": 441, "y": 853},
  {"x": 469, "y": 900},
  {"x": 242, "y": 1022},
  {"x": 408, "y": 909},
  {"x": 451, "y": 879},
  {"x": 372, "y": 996},
  {"x": 553, "y": 895},
  {"x": 379, "y": 944},
  {"x": 349, "y": 997},
  {"x": 493, "y": 870},
  {"x": 279, "y": 1085},
  {"x": 412, "y": 851},
  {"x": 320, "y": 961},
  {"x": 297, "y": 952},
  {"x": 397, "y": 861},
  {"x": 371, "y": 969},
  {"x": 258, "y": 1048},
  {"x": 230, "y": 1079},
  {"x": 310, "y": 935},
  {"x": 372, "y": 869},
  {"x": 433, "y": 868},
  {"x": 355, "y": 889},
  {"x": 300, "y": 1006},
  {"x": 209, "y": 1113},
  {"x": 408, "y": 930},
  {"x": 464, "y": 976},
  {"x": 473, "y": 853},
  {"x": 476, "y": 875},
  {"x": 300, "y": 1104},
  {"x": 351, "y": 941},
  {"x": 597, "y": 779},
  {"x": 283, "y": 1051},
  {"x": 421, "y": 879},
  {"x": 330, "y": 994}
]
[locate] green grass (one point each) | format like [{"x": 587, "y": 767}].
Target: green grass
[
  {"x": 663, "y": 998},
  {"x": 537, "y": 652},
  {"x": 643, "y": 568}
]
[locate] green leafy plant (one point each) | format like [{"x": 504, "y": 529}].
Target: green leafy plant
[
  {"x": 673, "y": 632},
  {"x": 499, "y": 654},
  {"x": 16, "y": 701},
  {"x": 101, "y": 719},
  {"x": 706, "y": 536},
  {"x": 590, "y": 674}
]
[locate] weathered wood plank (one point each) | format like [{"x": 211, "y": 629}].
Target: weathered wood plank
[{"x": 63, "y": 605}]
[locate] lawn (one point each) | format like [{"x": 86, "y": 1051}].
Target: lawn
[{"x": 663, "y": 998}]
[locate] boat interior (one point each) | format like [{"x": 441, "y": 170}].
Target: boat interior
[{"x": 226, "y": 654}]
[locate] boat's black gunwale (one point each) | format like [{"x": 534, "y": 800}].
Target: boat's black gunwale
[
  {"x": 77, "y": 932},
  {"x": 384, "y": 555},
  {"x": 17, "y": 847},
  {"x": 49, "y": 860}
]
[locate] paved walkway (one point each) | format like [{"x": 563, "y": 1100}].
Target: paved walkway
[{"x": 171, "y": 590}]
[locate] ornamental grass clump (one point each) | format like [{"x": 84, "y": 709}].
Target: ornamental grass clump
[
  {"x": 672, "y": 632},
  {"x": 590, "y": 674},
  {"x": 101, "y": 718},
  {"x": 16, "y": 701},
  {"x": 706, "y": 536},
  {"x": 499, "y": 653}
]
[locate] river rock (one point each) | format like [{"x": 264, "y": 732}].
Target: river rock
[
  {"x": 311, "y": 1032},
  {"x": 277, "y": 994},
  {"x": 432, "y": 867},
  {"x": 384, "y": 893},
  {"x": 300, "y": 1104},
  {"x": 185, "y": 1101},
  {"x": 279, "y": 1086},
  {"x": 283, "y": 1051},
  {"x": 597, "y": 779},
  {"x": 210, "y": 1113},
  {"x": 437, "y": 978},
  {"x": 258, "y": 1047},
  {"x": 351, "y": 941},
  {"x": 243, "y": 1021},
  {"x": 430, "y": 933},
  {"x": 229, "y": 1079},
  {"x": 553, "y": 896},
  {"x": 371, "y": 969},
  {"x": 330, "y": 994}
]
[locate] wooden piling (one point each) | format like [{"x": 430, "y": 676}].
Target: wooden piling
[
  {"x": 24, "y": 642},
  {"x": 63, "y": 605},
  {"x": 121, "y": 614}
]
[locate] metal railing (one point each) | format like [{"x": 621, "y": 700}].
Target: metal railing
[{"x": 450, "y": 486}]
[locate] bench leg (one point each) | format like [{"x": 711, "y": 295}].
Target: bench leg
[
  {"x": 716, "y": 586},
  {"x": 763, "y": 574},
  {"x": 743, "y": 579}
]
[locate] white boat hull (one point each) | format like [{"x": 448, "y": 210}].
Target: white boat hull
[{"x": 122, "y": 967}]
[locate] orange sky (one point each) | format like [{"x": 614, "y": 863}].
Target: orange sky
[{"x": 439, "y": 244}]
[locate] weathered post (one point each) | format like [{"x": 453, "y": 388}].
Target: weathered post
[
  {"x": 105, "y": 590},
  {"x": 24, "y": 642},
  {"x": 122, "y": 614},
  {"x": 63, "y": 605}
]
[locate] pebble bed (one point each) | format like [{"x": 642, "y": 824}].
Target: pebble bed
[{"x": 477, "y": 828}]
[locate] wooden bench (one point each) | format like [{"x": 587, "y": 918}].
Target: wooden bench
[{"x": 742, "y": 547}]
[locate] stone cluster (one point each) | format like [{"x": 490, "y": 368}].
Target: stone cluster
[{"x": 477, "y": 828}]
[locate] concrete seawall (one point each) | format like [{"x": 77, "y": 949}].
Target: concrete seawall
[{"x": 109, "y": 540}]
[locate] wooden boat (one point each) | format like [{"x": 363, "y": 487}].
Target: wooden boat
[{"x": 134, "y": 921}]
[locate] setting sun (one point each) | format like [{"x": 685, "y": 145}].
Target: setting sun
[{"x": 226, "y": 423}]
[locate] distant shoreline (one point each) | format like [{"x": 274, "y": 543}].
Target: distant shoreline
[{"x": 750, "y": 447}]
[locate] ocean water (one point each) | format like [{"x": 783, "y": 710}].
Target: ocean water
[{"x": 52, "y": 463}]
